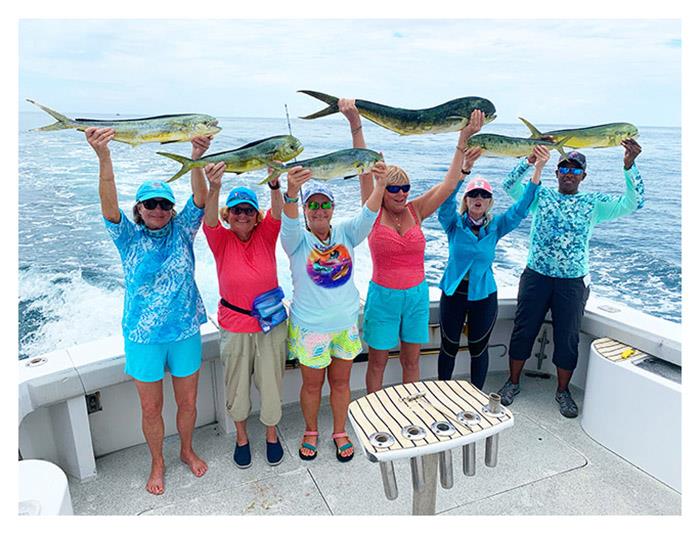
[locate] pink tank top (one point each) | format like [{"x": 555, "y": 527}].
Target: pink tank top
[{"x": 398, "y": 262}]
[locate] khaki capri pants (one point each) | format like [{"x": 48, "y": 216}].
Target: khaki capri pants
[{"x": 254, "y": 357}]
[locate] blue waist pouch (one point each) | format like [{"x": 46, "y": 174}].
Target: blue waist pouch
[{"x": 269, "y": 309}]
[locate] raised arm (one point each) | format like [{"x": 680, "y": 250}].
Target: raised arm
[
  {"x": 99, "y": 139},
  {"x": 296, "y": 177},
  {"x": 347, "y": 108},
  {"x": 199, "y": 185},
  {"x": 610, "y": 207},
  {"x": 276, "y": 199},
  {"x": 215, "y": 173},
  {"x": 462, "y": 162},
  {"x": 374, "y": 202}
]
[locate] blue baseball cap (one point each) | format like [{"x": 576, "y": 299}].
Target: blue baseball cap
[
  {"x": 242, "y": 195},
  {"x": 154, "y": 189},
  {"x": 314, "y": 187}
]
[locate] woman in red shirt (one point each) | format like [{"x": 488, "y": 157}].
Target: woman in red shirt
[{"x": 246, "y": 267}]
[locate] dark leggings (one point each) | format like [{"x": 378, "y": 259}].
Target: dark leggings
[{"x": 481, "y": 318}]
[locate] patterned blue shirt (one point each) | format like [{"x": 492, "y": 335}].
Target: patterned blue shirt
[
  {"x": 161, "y": 302},
  {"x": 562, "y": 224}
]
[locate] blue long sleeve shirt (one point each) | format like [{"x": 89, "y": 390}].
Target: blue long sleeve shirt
[
  {"x": 562, "y": 224},
  {"x": 475, "y": 254}
]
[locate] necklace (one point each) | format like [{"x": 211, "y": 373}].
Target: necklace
[{"x": 397, "y": 219}]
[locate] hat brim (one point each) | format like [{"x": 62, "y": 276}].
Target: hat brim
[
  {"x": 156, "y": 194},
  {"x": 238, "y": 201}
]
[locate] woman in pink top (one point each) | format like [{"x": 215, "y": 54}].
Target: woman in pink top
[
  {"x": 247, "y": 267},
  {"x": 397, "y": 305}
]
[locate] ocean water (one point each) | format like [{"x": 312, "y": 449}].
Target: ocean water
[{"x": 70, "y": 278}]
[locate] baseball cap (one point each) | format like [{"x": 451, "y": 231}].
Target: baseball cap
[
  {"x": 242, "y": 195},
  {"x": 154, "y": 189},
  {"x": 315, "y": 188},
  {"x": 479, "y": 183},
  {"x": 574, "y": 156}
]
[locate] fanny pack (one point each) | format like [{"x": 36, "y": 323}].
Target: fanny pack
[{"x": 268, "y": 309}]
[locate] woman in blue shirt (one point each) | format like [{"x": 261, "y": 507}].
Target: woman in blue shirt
[
  {"x": 468, "y": 285},
  {"x": 162, "y": 306}
]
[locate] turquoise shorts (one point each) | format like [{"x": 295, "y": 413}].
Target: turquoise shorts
[
  {"x": 146, "y": 362},
  {"x": 393, "y": 315}
]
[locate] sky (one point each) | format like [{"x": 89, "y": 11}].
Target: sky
[{"x": 551, "y": 71}]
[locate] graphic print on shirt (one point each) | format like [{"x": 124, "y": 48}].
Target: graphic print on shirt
[{"x": 330, "y": 266}]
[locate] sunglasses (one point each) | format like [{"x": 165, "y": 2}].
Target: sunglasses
[
  {"x": 570, "y": 170},
  {"x": 151, "y": 204},
  {"x": 237, "y": 210},
  {"x": 479, "y": 193},
  {"x": 396, "y": 188},
  {"x": 313, "y": 205}
]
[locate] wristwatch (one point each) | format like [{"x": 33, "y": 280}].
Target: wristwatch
[
  {"x": 288, "y": 199},
  {"x": 274, "y": 188}
]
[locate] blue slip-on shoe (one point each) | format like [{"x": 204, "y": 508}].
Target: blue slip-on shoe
[
  {"x": 508, "y": 391},
  {"x": 275, "y": 452},
  {"x": 567, "y": 405},
  {"x": 241, "y": 456}
]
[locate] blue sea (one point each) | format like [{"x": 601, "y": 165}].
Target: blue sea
[{"x": 70, "y": 277}]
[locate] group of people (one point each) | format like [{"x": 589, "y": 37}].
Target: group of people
[{"x": 163, "y": 309}]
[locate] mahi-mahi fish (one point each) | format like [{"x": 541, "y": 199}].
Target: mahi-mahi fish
[
  {"x": 161, "y": 129},
  {"x": 601, "y": 136},
  {"x": 517, "y": 147},
  {"x": 448, "y": 117},
  {"x": 250, "y": 157},
  {"x": 340, "y": 164}
]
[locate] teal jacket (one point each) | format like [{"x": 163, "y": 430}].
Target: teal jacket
[{"x": 472, "y": 254}]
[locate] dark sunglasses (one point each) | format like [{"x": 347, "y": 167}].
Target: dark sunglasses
[
  {"x": 396, "y": 188},
  {"x": 313, "y": 205},
  {"x": 237, "y": 210},
  {"x": 570, "y": 170},
  {"x": 479, "y": 193},
  {"x": 151, "y": 204}
]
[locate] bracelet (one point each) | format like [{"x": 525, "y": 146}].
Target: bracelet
[
  {"x": 462, "y": 150},
  {"x": 465, "y": 172},
  {"x": 275, "y": 188},
  {"x": 353, "y": 131},
  {"x": 290, "y": 200}
]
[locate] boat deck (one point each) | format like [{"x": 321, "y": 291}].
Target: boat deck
[{"x": 547, "y": 465}]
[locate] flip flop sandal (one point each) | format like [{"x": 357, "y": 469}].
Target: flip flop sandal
[
  {"x": 342, "y": 448},
  {"x": 306, "y": 445}
]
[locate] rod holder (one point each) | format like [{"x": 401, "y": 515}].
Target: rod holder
[
  {"x": 491, "y": 456},
  {"x": 495, "y": 403},
  {"x": 391, "y": 490},
  {"x": 445, "y": 465},
  {"x": 469, "y": 459},
  {"x": 417, "y": 474}
]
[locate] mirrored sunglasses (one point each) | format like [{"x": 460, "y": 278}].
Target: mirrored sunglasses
[
  {"x": 396, "y": 188},
  {"x": 313, "y": 205},
  {"x": 570, "y": 170},
  {"x": 151, "y": 203}
]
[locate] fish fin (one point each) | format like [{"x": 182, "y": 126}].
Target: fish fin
[
  {"x": 558, "y": 146},
  {"x": 168, "y": 142},
  {"x": 349, "y": 176},
  {"x": 182, "y": 160},
  {"x": 277, "y": 170},
  {"x": 534, "y": 132},
  {"x": 63, "y": 122},
  {"x": 328, "y": 99}
]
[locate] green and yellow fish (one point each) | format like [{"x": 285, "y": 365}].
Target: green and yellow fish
[
  {"x": 451, "y": 116},
  {"x": 340, "y": 164},
  {"x": 250, "y": 157},
  {"x": 161, "y": 129},
  {"x": 601, "y": 136},
  {"x": 495, "y": 145}
]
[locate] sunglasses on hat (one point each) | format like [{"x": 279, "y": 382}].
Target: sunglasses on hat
[{"x": 151, "y": 203}]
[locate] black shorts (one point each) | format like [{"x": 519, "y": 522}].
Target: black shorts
[{"x": 566, "y": 298}]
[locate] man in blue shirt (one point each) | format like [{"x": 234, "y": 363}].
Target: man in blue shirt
[{"x": 557, "y": 274}]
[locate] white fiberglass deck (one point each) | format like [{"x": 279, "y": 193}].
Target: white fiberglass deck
[{"x": 547, "y": 465}]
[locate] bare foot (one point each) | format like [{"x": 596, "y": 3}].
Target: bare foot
[
  {"x": 156, "y": 480},
  {"x": 197, "y": 465}
]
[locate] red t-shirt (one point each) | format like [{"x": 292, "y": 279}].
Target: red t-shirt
[{"x": 245, "y": 270}]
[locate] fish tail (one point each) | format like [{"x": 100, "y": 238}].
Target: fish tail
[
  {"x": 186, "y": 163},
  {"x": 63, "y": 122},
  {"x": 559, "y": 146},
  {"x": 535, "y": 133},
  {"x": 277, "y": 170},
  {"x": 328, "y": 99}
]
